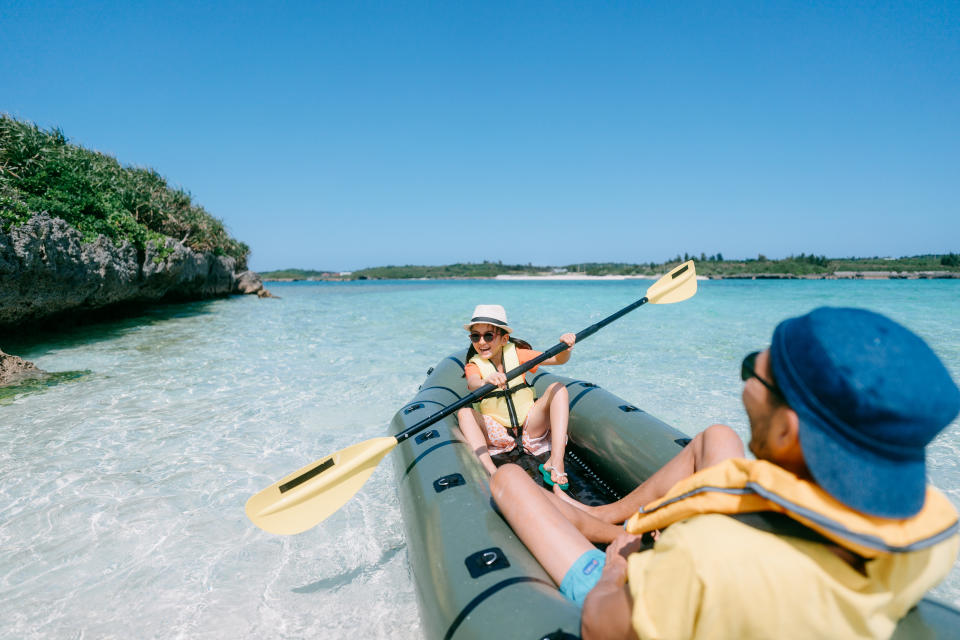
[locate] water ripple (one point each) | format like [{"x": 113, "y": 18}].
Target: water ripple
[{"x": 122, "y": 484}]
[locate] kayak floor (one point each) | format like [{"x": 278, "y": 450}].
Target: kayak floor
[{"x": 585, "y": 485}]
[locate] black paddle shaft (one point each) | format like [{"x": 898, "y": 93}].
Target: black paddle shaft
[{"x": 560, "y": 347}]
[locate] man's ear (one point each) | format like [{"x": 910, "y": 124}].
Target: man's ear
[
  {"x": 785, "y": 439},
  {"x": 786, "y": 427}
]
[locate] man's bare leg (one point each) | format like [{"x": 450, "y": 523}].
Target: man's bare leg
[
  {"x": 713, "y": 445},
  {"x": 532, "y": 513}
]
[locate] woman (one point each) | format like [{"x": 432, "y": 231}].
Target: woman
[{"x": 542, "y": 422}]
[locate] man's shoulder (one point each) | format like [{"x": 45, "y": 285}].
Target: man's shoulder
[{"x": 716, "y": 538}]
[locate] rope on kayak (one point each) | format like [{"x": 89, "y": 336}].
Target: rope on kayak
[{"x": 589, "y": 472}]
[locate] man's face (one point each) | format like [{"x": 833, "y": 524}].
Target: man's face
[{"x": 760, "y": 404}]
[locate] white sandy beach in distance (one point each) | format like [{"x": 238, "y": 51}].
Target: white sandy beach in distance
[{"x": 582, "y": 276}]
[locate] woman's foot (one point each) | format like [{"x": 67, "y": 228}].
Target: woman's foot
[
  {"x": 553, "y": 475},
  {"x": 557, "y": 473}
]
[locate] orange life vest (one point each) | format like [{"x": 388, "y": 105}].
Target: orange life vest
[{"x": 739, "y": 486}]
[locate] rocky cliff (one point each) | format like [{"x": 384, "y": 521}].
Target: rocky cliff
[{"x": 45, "y": 271}]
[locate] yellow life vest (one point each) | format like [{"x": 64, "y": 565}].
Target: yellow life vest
[
  {"x": 495, "y": 404},
  {"x": 744, "y": 486}
]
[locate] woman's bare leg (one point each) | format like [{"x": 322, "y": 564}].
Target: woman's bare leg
[
  {"x": 552, "y": 411},
  {"x": 470, "y": 421},
  {"x": 711, "y": 446}
]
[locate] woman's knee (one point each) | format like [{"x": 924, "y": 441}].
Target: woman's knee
[{"x": 558, "y": 391}]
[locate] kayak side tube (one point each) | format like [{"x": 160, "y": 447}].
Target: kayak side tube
[
  {"x": 474, "y": 577},
  {"x": 624, "y": 445}
]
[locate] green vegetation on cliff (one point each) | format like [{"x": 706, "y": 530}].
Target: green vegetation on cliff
[{"x": 41, "y": 171}]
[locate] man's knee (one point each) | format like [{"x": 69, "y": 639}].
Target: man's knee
[
  {"x": 505, "y": 477},
  {"x": 720, "y": 433},
  {"x": 716, "y": 443}
]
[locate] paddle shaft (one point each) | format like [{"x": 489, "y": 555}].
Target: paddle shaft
[{"x": 477, "y": 394}]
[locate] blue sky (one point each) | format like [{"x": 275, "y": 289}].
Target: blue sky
[{"x": 339, "y": 135}]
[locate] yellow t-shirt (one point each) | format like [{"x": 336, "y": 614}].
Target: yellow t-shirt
[{"x": 714, "y": 577}]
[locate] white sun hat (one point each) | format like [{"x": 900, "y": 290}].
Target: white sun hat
[{"x": 489, "y": 314}]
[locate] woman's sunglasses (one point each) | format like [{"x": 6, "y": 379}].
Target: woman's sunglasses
[
  {"x": 748, "y": 369},
  {"x": 487, "y": 337}
]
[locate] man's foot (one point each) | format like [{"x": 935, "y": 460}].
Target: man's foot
[{"x": 557, "y": 491}]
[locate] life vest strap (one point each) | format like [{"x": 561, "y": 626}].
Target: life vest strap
[
  {"x": 780, "y": 524},
  {"x": 502, "y": 393}
]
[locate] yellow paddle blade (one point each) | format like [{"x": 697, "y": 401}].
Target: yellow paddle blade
[
  {"x": 309, "y": 495},
  {"x": 676, "y": 286}
]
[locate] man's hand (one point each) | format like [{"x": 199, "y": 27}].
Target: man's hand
[{"x": 607, "y": 609}]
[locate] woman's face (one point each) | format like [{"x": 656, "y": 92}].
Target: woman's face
[{"x": 487, "y": 348}]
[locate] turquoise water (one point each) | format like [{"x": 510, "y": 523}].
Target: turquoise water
[{"x": 122, "y": 487}]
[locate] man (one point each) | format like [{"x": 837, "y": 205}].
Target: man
[{"x": 848, "y": 536}]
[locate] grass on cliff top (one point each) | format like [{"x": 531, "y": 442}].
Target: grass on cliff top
[{"x": 40, "y": 171}]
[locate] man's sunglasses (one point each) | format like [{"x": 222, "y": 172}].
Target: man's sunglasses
[
  {"x": 748, "y": 369},
  {"x": 487, "y": 337}
]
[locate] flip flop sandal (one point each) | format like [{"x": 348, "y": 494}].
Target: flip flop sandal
[{"x": 546, "y": 470}]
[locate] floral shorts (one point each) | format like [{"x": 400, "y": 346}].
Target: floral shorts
[{"x": 500, "y": 440}]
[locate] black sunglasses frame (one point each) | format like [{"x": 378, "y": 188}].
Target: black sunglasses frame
[
  {"x": 487, "y": 336},
  {"x": 748, "y": 370}
]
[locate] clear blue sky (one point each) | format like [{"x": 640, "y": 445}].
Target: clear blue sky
[{"x": 339, "y": 135}]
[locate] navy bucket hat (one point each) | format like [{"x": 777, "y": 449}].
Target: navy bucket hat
[{"x": 870, "y": 395}]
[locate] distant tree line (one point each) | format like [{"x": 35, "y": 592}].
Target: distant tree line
[{"x": 803, "y": 264}]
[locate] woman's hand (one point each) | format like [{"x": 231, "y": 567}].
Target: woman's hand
[
  {"x": 497, "y": 378},
  {"x": 562, "y": 357}
]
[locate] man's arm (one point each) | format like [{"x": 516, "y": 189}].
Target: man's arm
[{"x": 608, "y": 607}]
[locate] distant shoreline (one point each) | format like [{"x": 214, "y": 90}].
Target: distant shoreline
[
  {"x": 837, "y": 275},
  {"x": 715, "y": 267}
]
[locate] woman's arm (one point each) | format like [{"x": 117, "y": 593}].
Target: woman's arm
[
  {"x": 474, "y": 382},
  {"x": 563, "y": 357}
]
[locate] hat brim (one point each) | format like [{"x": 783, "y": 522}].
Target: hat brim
[
  {"x": 859, "y": 478},
  {"x": 491, "y": 321}
]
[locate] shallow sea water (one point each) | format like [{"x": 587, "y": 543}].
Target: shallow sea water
[{"x": 122, "y": 486}]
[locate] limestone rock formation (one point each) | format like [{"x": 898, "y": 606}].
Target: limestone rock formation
[
  {"x": 46, "y": 270},
  {"x": 14, "y": 369},
  {"x": 250, "y": 282}
]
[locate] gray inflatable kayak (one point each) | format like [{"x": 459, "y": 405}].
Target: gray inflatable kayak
[{"x": 474, "y": 577}]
